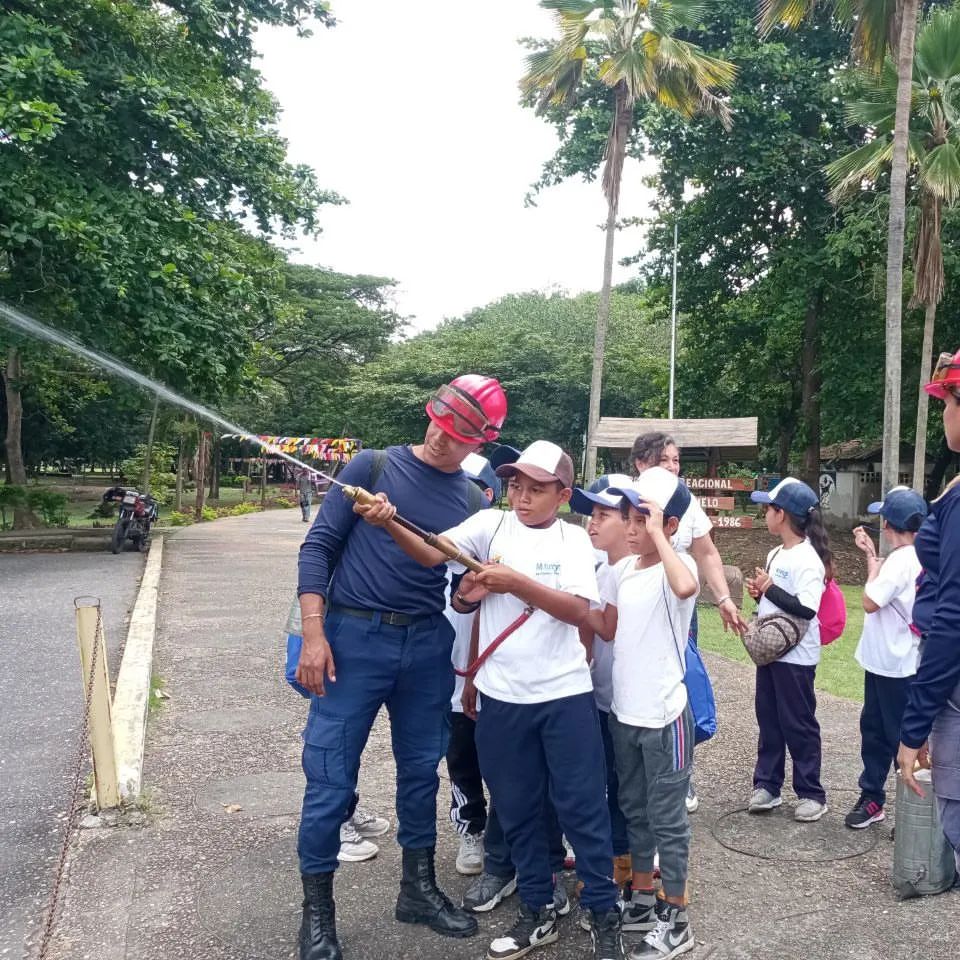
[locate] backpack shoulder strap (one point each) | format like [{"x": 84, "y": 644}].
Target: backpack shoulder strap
[
  {"x": 475, "y": 497},
  {"x": 376, "y": 467}
]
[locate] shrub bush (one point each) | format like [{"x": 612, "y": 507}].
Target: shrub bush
[
  {"x": 243, "y": 508},
  {"x": 208, "y": 513},
  {"x": 178, "y": 519},
  {"x": 51, "y": 506},
  {"x": 283, "y": 502}
]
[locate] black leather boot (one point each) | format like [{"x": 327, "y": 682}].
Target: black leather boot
[
  {"x": 421, "y": 901},
  {"x": 318, "y": 929}
]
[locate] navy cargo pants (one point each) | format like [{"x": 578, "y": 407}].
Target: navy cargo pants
[{"x": 408, "y": 669}]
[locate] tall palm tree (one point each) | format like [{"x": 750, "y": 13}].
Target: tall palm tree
[
  {"x": 934, "y": 156},
  {"x": 633, "y": 47},
  {"x": 877, "y": 25}
]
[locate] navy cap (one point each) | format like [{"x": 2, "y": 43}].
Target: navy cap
[
  {"x": 479, "y": 470},
  {"x": 660, "y": 486},
  {"x": 902, "y": 508},
  {"x": 598, "y": 494},
  {"x": 503, "y": 453},
  {"x": 791, "y": 495}
]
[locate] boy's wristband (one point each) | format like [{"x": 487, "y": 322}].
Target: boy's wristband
[
  {"x": 463, "y": 601},
  {"x": 724, "y": 600}
]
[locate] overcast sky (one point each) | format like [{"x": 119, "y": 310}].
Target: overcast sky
[{"x": 410, "y": 111}]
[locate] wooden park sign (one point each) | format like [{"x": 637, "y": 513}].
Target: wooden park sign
[
  {"x": 733, "y": 523},
  {"x": 717, "y": 503},
  {"x": 720, "y": 484}
]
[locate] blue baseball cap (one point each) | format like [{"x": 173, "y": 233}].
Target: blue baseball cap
[
  {"x": 791, "y": 495},
  {"x": 598, "y": 493},
  {"x": 902, "y": 508},
  {"x": 503, "y": 453},
  {"x": 659, "y": 486},
  {"x": 479, "y": 470}
]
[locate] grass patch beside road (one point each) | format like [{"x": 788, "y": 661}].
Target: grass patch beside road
[{"x": 838, "y": 672}]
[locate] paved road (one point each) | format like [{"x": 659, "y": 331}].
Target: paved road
[{"x": 40, "y": 702}]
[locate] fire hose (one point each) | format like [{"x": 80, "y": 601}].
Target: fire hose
[{"x": 450, "y": 550}]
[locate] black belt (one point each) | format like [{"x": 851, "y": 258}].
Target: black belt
[{"x": 389, "y": 617}]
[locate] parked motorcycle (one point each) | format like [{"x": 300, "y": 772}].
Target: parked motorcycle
[{"x": 138, "y": 512}]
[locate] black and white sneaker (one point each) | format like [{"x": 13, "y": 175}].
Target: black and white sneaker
[
  {"x": 532, "y": 929},
  {"x": 606, "y": 936},
  {"x": 487, "y": 891},
  {"x": 671, "y": 937},
  {"x": 639, "y": 909}
]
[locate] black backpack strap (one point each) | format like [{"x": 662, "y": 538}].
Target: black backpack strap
[{"x": 376, "y": 467}]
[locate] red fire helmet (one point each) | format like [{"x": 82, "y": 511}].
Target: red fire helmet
[
  {"x": 470, "y": 408},
  {"x": 946, "y": 376}
]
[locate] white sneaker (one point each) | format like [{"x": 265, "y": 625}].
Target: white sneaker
[
  {"x": 808, "y": 810},
  {"x": 693, "y": 801},
  {"x": 368, "y": 825},
  {"x": 353, "y": 848},
  {"x": 762, "y": 799},
  {"x": 470, "y": 855}
]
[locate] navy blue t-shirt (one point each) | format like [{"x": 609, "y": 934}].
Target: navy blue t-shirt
[
  {"x": 367, "y": 567},
  {"x": 936, "y": 614}
]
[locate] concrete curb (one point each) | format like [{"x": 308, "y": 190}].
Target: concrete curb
[{"x": 131, "y": 700}]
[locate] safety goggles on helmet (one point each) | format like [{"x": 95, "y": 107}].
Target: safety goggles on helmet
[
  {"x": 946, "y": 376},
  {"x": 457, "y": 410}
]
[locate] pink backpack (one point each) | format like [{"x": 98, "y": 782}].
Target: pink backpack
[{"x": 832, "y": 613}]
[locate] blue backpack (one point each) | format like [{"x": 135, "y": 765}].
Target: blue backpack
[{"x": 703, "y": 706}]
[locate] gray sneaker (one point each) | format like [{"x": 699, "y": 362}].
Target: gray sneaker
[
  {"x": 671, "y": 937},
  {"x": 487, "y": 891},
  {"x": 762, "y": 799},
  {"x": 808, "y": 810},
  {"x": 639, "y": 910}
]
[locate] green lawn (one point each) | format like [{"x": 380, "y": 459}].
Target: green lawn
[{"x": 838, "y": 672}]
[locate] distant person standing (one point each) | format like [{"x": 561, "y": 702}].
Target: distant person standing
[{"x": 304, "y": 482}]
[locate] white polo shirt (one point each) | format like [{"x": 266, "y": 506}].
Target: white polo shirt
[
  {"x": 888, "y": 647},
  {"x": 693, "y": 524},
  {"x": 650, "y": 645},
  {"x": 543, "y": 659},
  {"x": 798, "y": 571}
]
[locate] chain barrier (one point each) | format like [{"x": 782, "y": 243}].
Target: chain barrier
[{"x": 74, "y": 788}]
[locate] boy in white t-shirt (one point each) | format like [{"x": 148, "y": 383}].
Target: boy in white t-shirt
[
  {"x": 538, "y": 729},
  {"x": 608, "y": 536},
  {"x": 889, "y": 648},
  {"x": 651, "y": 725}
]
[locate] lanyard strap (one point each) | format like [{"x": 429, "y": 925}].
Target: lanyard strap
[{"x": 479, "y": 662}]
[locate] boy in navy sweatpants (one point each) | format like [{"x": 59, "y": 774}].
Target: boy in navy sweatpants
[{"x": 537, "y": 733}]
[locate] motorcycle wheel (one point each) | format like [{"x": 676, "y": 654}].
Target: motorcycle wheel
[
  {"x": 143, "y": 543},
  {"x": 119, "y": 535}
]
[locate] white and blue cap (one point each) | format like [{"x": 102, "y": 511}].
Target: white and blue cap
[
  {"x": 902, "y": 508},
  {"x": 791, "y": 495},
  {"x": 658, "y": 486},
  {"x": 598, "y": 493},
  {"x": 480, "y": 471}
]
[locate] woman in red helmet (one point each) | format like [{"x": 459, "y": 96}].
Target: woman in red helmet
[
  {"x": 933, "y": 708},
  {"x": 375, "y": 634}
]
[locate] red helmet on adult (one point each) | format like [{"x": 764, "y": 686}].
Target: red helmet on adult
[
  {"x": 470, "y": 408},
  {"x": 946, "y": 376}
]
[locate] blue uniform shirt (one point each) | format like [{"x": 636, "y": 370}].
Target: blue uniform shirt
[
  {"x": 367, "y": 568},
  {"x": 936, "y": 614}
]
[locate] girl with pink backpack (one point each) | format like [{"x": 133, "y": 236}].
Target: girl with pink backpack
[{"x": 791, "y": 586}]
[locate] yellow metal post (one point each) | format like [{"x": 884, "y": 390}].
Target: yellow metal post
[{"x": 90, "y": 638}]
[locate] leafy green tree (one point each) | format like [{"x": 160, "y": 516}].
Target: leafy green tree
[
  {"x": 138, "y": 144},
  {"x": 538, "y": 347},
  {"x": 935, "y": 165},
  {"x": 635, "y": 50},
  {"x": 879, "y": 25}
]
